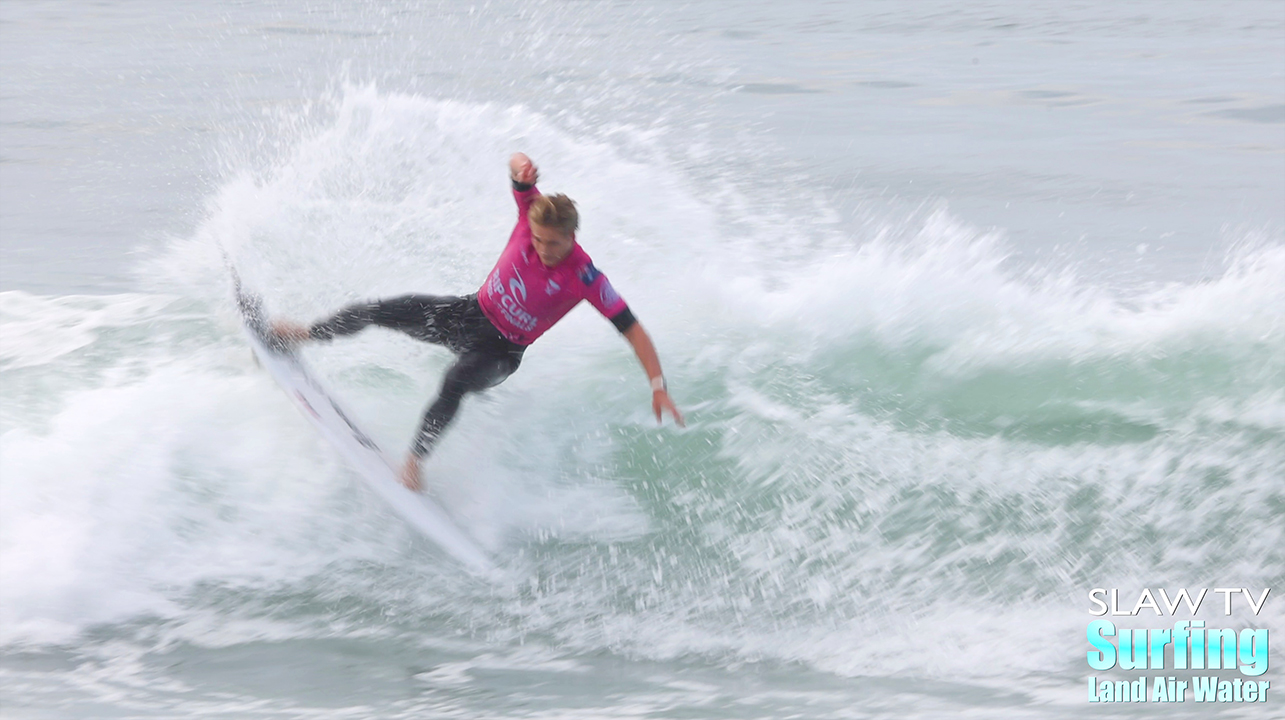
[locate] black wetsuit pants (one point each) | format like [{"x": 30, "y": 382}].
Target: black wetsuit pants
[{"x": 484, "y": 357}]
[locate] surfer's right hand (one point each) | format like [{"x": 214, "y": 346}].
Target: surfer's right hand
[
  {"x": 522, "y": 170},
  {"x": 290, "y": 331}
]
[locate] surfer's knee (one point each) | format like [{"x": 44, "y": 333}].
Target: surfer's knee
[
  {"x": 405, "y": 312},
  {"x": 459, "y": 379}
]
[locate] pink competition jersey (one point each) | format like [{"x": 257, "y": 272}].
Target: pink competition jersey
[{"x": 523, "y": 298}]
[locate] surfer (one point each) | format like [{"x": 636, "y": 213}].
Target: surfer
[{"x": 541, "y": 274}]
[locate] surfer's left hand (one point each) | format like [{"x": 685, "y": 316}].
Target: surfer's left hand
[
  {"x": 410, "y": 473},
  {"x": 660, "y": 400}
]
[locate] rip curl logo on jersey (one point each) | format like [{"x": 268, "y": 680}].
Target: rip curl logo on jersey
[
  {"x": 608, "y": 294},
  {"x": 551, "y": 288},
  {"x": 517, "y": 286},
  {"x": 516, "y": 314}
]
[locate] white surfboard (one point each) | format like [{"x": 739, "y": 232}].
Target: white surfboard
[{"x": 356, "y": 447}]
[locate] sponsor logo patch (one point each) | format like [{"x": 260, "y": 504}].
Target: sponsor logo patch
[{"x": 608, "y": 294}]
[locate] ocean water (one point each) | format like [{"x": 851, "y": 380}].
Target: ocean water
[{"x": 972, "y": 308}]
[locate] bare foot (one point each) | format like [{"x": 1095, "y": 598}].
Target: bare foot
[
  {"x": 410, "y": 473},
  {"x": 290, "y": 331}
]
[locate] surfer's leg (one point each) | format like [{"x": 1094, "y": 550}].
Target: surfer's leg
[
  {"x": 423, "y": 317},
  {"x": 472, "y": 372}
]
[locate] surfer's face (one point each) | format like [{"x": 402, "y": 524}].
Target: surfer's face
[{"x": 552, "y": 245}]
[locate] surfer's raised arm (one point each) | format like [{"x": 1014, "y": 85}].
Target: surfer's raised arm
[{"x": 523, "y": 172}]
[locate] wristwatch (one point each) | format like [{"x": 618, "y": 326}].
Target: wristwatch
[{"x": 658, "y": 384}]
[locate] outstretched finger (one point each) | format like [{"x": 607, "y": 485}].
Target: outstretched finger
[{"x": 668, "y": 404}]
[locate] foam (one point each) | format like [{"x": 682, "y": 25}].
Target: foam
[{"x": 37, "y": 330}]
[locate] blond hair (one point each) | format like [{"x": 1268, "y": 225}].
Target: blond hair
[{"x": 555, "y": 211}]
